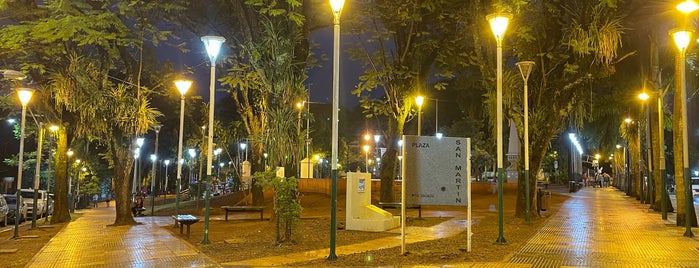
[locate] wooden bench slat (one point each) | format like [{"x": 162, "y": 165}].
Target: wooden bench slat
[
  {"x": 183, "y": 220},
  {"x": 244, "y": 208},
  {"x": 398, "y": 205}
]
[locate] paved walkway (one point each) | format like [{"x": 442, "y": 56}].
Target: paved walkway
[
  {"x": 89, "y": 242},
  {"x": 602, "y": 227},
  {"x": 595, "y": 228}
]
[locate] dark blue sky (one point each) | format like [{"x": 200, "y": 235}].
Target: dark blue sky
[{"x": 319, "y": 79}]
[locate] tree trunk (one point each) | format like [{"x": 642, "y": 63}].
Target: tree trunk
[
  {"x": 122, "y": 159},
  {"x": 258, "y": 197},
  {"x": 389, "y": 159},
  {"x": 60, "y": 190}
]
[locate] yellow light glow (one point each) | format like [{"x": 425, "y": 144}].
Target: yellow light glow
[
  {"x": 24, "y": 94},
  {"x": 598, "y": 156},
  {"x": 419, "y": 100},
  {"x": 70, "y": 153},
  {"x": 299, "y": 105},
  {"x": 336, "y": 5},
  {"x": 643, "y": 96},
  {"x": 687, "y": 7},
  {"x": 682, "y": 38},
  {"x": 366, "y": 148},
  {"x": 53, "y": 128},
  {"x": 367, "y": 137},
  {"x": 183, "y": 85},
  {"x": 627, "y": 120},
  {"x": 498, "y": 23},
  {"x": 316, "y": 157}
]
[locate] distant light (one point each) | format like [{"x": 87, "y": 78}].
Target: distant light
[
  {"x": 628, "y": 120},
  {"x": 377, "y": 138},
  {"x": 11, "y": 120},
  {"x": 575, "y": 142},
  {"x": 400, "y": 143},
  {"x": 167, "y": 162},
  {"x": 618, "y": 146},
  {"x": 243, "y": 146},
  {"x": 439, "y": 135},
  {"x": 696, "y": 173},
  {"x": 153, "y": 157},
  {"x": 192, "y": 152},
  {"x": 687, "y": 7},
  {"x": 139, "y": 142},
  {"x": 643, "y": 96}
]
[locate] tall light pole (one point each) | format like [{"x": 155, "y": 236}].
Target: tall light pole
[
  {"x": 682, "y": 38},
  {"x": 167, "y": 163},
  {"x": 643, "y": 96},
  {"x": 661, "y": 155},
  {"x": 525, "y": 68},
  {"x": 366, "y": 157},
  {"x": 213, "y": 45},
  {"x": 336, "y": 6},
  {"x": 152, "y": 179},
  {"x": 24, "y": 94},
  {"x": 419, "y": 100},
  {"x": 299, "y": 106},
  {"x": 53, "y": 129},
  {"x": 182, "y": 86},
  {"x": 498, "y": 24},
  {"x": 37, "y": 176}
]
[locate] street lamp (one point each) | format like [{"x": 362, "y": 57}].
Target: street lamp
[
  {"x": 167, "y": 163},
  {"x": 525, "y": 68},
  {"x": 24, "y": 94},
  {"x": 53, "y": 129},
  {"x": 643, "y": 96},
  {"x": 152, "y": 179},
  {"x": 37, "y": 175},
  {"x": 182, "y": 86},
  {"x": 419, "y": 100},
  {"x": 366, "y": 158},
  {"x": 498, "y": 24},
  {"x": 336, "y": 6},
  {"x": 213, "y": 45},
  {"x": 682, "y": 38},
  {"x": 137, "y": 152}
]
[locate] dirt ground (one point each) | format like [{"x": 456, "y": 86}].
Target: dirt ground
[{"x": 244, "y": 236}]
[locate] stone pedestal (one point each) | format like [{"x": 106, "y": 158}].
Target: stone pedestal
[{"x": 361, "y": 214}]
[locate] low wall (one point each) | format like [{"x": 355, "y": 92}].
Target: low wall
[{"x": 323, "y": 186}]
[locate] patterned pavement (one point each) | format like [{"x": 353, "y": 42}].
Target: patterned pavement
[
  {"x": 596, "y": 227},
  {"x": 601, "y": 227}
]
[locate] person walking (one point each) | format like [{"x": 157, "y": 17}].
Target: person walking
[{"x": 95, "y": 198}]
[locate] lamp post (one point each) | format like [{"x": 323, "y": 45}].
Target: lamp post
[
  {"x": 419, "y": 100},
  {"x": 525, "y": 68},
  {"x": 682, "y": 38},
  {"x": 182, "y": 86},
  {"x": 366, "y": 157},
  {"x": 53, "y": 129},
  {"x": 299, "y": 106},
  {"x": 37, "y": 175},
  {"x": 70, "y": 184},
  {"x": 629, "y": 168},
  {"x": 153, "y": 158},
  {"x": 213, "y": 45},
  {"x": 498, "y": 24},
  {"x": 24, "y": 94},
  {"x": 167, "y": 163},
  {"x": 643, "y": 96},
  {"x": 336, "y": 6}
]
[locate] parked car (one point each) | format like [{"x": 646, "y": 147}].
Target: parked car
[
  {"x": 11, "y": 203},
  {"x": 3, "y": 210},
  {"x": 28, "y": 195},
  {"x": 49, "y": 204}
]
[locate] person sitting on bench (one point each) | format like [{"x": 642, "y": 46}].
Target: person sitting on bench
[{"x": 138, "y": 208}]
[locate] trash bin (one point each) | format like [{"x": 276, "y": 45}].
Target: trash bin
[
  {"x": 545, "y": 200},
  {"x": 572, "y": 186}
]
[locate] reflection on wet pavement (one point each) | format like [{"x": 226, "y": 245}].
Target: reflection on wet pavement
[{"x": 601, "y": 227}]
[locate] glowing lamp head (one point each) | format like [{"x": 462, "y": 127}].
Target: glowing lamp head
[
  {"x": 166, "y": 162},
  {"x": 628, "y": 120},
  {"x": 336, "y": 5},
  {"x": 643, "y": 96},
  {"x": 25, "y": 94},
  {"x": 682, "y": 38},
  {"x": 687, "y": 7},
  {"x": 192, "y": 152},
  {"x": 419, "y": 100},
  {"x": 213, "y": 45},
  {"x": 53, "y": 128},
  {"x": 366, "y": 148},
  {"x": 183, "y": 86},
  {"x": 139, "y": 142},
  {"x": 498, "y": 23}
]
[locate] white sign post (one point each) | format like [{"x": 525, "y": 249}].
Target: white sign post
[{"x": 435, "y": 171}]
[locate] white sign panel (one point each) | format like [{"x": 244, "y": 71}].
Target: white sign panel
[{"x": 435, "y": 170}]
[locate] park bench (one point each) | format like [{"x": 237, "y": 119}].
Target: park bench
[
  {"x": 397, "y": 205},
  {"x": 185, "y": 220},
  {"x": 243, "y": 209}
]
